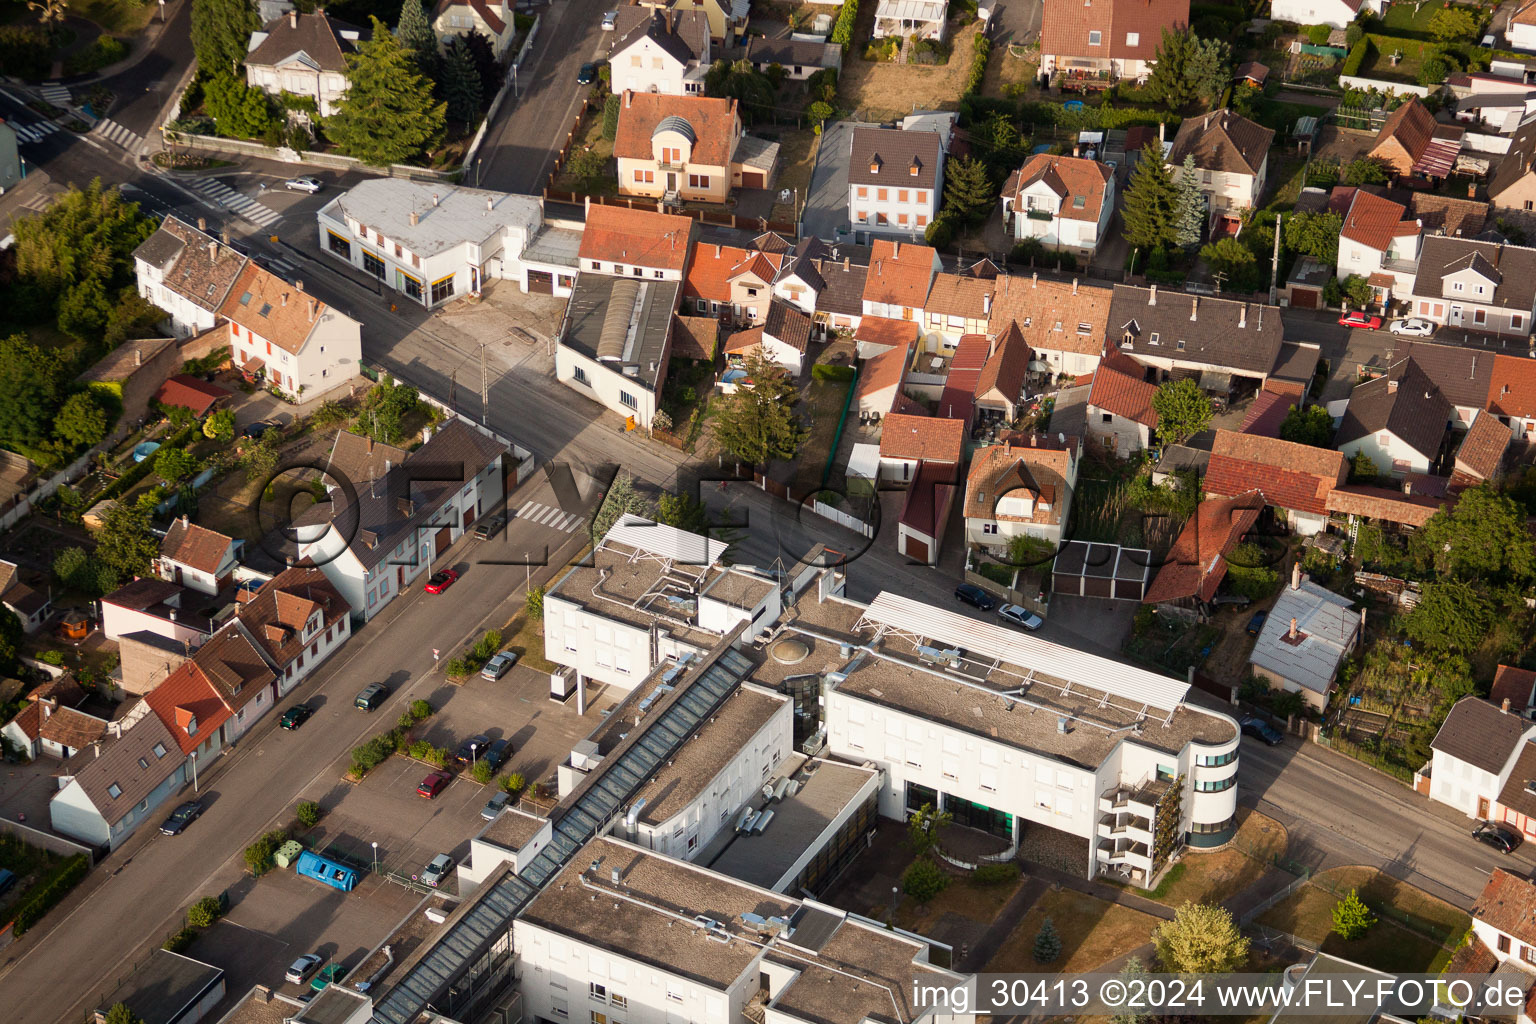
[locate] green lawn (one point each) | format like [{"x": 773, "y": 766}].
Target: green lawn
[
  {"x": 118, "y": 17},
  {"x": 1378, "y": 61},
  {"x": 823, "y": 405}
]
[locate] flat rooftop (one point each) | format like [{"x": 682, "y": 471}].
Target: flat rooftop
[
  {"x": 708, "y": 751},
  {"x": 262, "y": 1006},
  {"x": 623, "y": 322},
  {"x": 513, "y": 829},
  {"x": 410, "y": 935},
  {"x": 862, "y": 972},
  {"x": 166, "y": 985},
  {"x": 334, "y": 1005},
  {"x": 826, "y": 790}
]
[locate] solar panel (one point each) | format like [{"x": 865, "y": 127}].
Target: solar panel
[{"x": 1077, "y": 668}]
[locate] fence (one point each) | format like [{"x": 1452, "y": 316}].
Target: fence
[
  {"x": 473, "y": 152},
  {"x": 525, "y": 459},
  {"x": 330, "y": 161},
  {"x": 25, "y": 503},
  {"x": 46, "y": 840},
  {"x": 1356, "y": 82},
  {"x": 1254, "y": 913},
  {"x": 841, "y": 518}
]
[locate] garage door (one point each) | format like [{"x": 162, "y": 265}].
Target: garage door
[
  {"x": 442, "y": 541},
  {"x": 1304, "y": 298},
  {"x": 753, "y": 179},
  {"x": 469, "y": 516},
  {"x": 917, "y": 548},
  {"x": 541, "y": 282}
]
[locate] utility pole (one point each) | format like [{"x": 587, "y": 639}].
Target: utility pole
[
  {"x": 1218, "y": 277},
  {"x": 1274, "y": 268},
  {"x": 485, "y": 387}
]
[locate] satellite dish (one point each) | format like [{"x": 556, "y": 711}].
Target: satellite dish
[{"x": 784, "y": 194}]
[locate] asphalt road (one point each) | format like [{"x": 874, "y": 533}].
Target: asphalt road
[{"x": 135, "y": 896}]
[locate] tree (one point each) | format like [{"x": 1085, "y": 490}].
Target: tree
[
  {"x": 1233, "y": 260},
  {"x": 1351, "y": 917},
  {"x": 88, "y": 232},
  {"x": 1482, "y": 536},
  {"x": 1047, "y": 943},
  {"x": 1201, "y": 939},
  {"x": 1451, "y": 616},
  {"x": 1357, "y": 290},
  {"x": 220, "y": 31},
  {"x": 1182, "y": 410},
  {"x": 31, "y": 389},
  {"x": 758, "y": 424},
  {"x": 1189, "y": 218},
  {"x": 1366, "y": 171},
  {"x": 173, "y": 464},
  {"x": 818, "y": 112},
  {"x": 81, "y": 421},
  {"x": 683, "y": 511},
  {"x": 968, "y": 191},
  {"x": 131, "y": 316},
  {"x": 484, "y": 56},
  {"x": 1133, "y": 972},
  {"x": 1151, "y": 208},
  {"x": 73, "y": 569},
  {"x": 461, "y": 83},
  {"x": 923, "y": 880},
  {"x": 121, "y": 1014},
  {"x": 388, "y": 115},
  {"x": 1451, "y": 23},
  {"x": 414, "y": 32},
  {"x": 124, "y": 544},
  {"x": 923, "y": 827},
  {"x": 204, "y": 912},
  {"x": 1311, "y": 426},
  {"x": 622, "y": 499},
  {"x": 740, "y": 81},
  {"x": 1189, "y": 68},
  {"x": 83, "y": 310},
  {"x": 1209, "y": 69},
  {"x": 384, "y": 410},
  {"x": 220, "y": 426},
  {"x": 588, "y": 164},
  {"x": 1435, "y": 69},
  {"x": 1315, "y": 235},
  {"x": 533, "y": 603},
  {"x": 260, "y": 455},
  {"x": 51, "y": 14},
  {"x": 1362, "y": 468},
  {"x": 238, "y": 111}
]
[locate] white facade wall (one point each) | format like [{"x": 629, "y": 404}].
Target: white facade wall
[
  {"x": 1225, "y": 190},
  {"x": 239, "y": 723},
  {"x": 1334, "y": 13},
  {"x": 329, "y": 356},
  {"x": 603, "y": 649},
  {"x": 1117, "y": 432},
  {"x": 615, "y": 391},
  {"x": 1521, "y": 37},
  {"x": 894, "y": 214},
  {"x": 72, "y": 813},
  {"x": 116, "y": 620},
  {"x": 187, "y": 317},
  {"x": 326, "y": 88},
  {"x": 644, "y": 66},
  {"x": 1459, "y": 784},
  {"x": 781, "y": 354},
  {"x": 197, "y": 579},
  {"x": 315, "y": 654},
  {"x": 485, "y": 857},
  {"x": 1391, "y": 453},
  {"x": 1058, "y": 231},
  {"x": 1075, "y": 364}
]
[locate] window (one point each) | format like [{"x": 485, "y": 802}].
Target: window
[
  {"x": 921, "y": 195},
  {"x": 579, "y": 375},
  {"x": 373, "y": 265},
  {"x": 1516, "y": 321},
  {"x": 1456, "y": 286},
  {"x": 114, "y": 791},
  {"x": 989, "y": 528},
  {"x": 1479, "y": 316},
  {"x": 1132, "y": 38},
  {"x": 901, "y": 195},
  {"x": 674, "y": 993},
  {"x": 1095, "y": 38},
  {"x": 863, "y": 192},
  {"x": 1219, "y": 786},
  {"x": 700, "y": 305},
  {"x": 410, "y": 285},
  {"x": 1107, "y": 417},
  {"x": 698, "y": 181},
  {"x": 338, "y": 245},
  {"x": 671, "y": 155},
  {"x": 1215, "y": 760},
  {"x": 656, "y": 63},
  {"x": 1504, "y": 939},
  {"x": 922, "y": 220},
  {"x": 645, "y": 177},
  {"x": 693, "y": 841},
  {"x": 618, "y": 1000},
  {"x": 558, "y": 1008},
  {"x": 881, "y": 193},
  {"x": 628, "y": 400},
  {"x": 442, "y": 290},
  {"x": 597, "y": 991},
  {"x": 143, "y": 763},
  {"x": 901, "y": 218},
  {"x": 159, "y": 750}
]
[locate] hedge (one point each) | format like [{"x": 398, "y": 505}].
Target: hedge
[
  {"x": 978, "y": 69},
  {"x": 1357, "y": 55},
  {"x": 842, "y": 32},
  {"x": 374, "y": 752},
  {"x": 65, "y": 877},
  {"x": 1101, "y": 117},
  {"x": 139, "y": 470}
]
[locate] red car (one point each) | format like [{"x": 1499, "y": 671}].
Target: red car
[
  {"x": 441, "y": 581},
  {"x": 1359, "y": 319},
  {"x": 433, "y": 784}
]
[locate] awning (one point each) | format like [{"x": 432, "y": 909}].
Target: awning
[
  {"x": 1438, "y": 159},
  {"x": 1215, "y": 380},
  {"x": 1038, "y": 366}
]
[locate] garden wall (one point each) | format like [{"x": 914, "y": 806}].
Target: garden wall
[
  {"x": 24, "y": 504},
  {"x": 330, "y": 161},
  {"x": 46, "y": 840},
  {"x": 1401, "y": 88},
  {"x": 473, "y": 152}
]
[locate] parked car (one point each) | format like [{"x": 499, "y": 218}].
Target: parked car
[
  {"x": 497, "y": 753},
  {"x": 1260, "y": 729},
  {"x": 610, "y": 21},
  {"x": 259, "y": 427},
  {"x": 371, "y": 697},
  {"x": 1497, "y": 835},
  {"x": 495, "y": 805},
  {"x": 433, "y": 784},
  {"x": 1021, "y": 616},
  {"x": 328, "y": 974},
  {"x": 498, "y": 666},
  {"x": 490, "y": 526},
  {"x": 310, "y": 185},
  {"x": 7, "y": 880},
  {"x": 303, "y": 967},
  {"x": 471, "y": 749},
  {"x": 181, "y": 817},
  {"x": 434, "y": 873},
  {"x": 1359, "y": 319},
  {"x": 587, "y": 75},
  {"x": 441, "y": 581},
  {"x": 971, "y": 594},
  {"x": 295, "y": 716},
  {"x": 1413, "y": 327},
  {"x": 1256, "y": 624}
]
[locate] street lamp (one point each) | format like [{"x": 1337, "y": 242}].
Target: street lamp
[
  {"x": 472, "y": 755},
  {"x": 194, "y": 771},
  {"x": 375, "y": 856}
]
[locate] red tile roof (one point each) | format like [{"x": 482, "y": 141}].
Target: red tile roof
[
  {"x": 879, "y": 330},
  {"x": 713, "y": 121},
  {"x": 883, "y": 371},
  {"x": 1120, "y": 387},
  {"x": 1071, "y": 178},
  {"x": 742, "y": 341},
  {"x": 1058, "y": 316},
  {"x": 922, "y": 437},
  {"x": 1065, "y": 26},
  {"x": 1508, "y": 904},
  {"x": 190, "y": 393},
  {"x": 965, "y": 366},
  {"x": 193, "y": 545},
  {"x": 646, "y": 238},
  {"x": 1512, "y": 389},
  {"x": 713, "y": 267},
  {"x": 1410, "y": 126},
  {"x": 899, "y": 273},
  {"x": 1196, "y": 563},
  {"x": 185, "y": 696},
  {"x": 1483, "y": 447},
  {"x": 272, "y": 309},
  {"x": 1269, "y": 410},
  {"x": 1004, "y": 371},
  {"x": 1290, "y": 475},
  {"x": 1514, "y": 685},
  {"x": 1385, "y": 505},
  {"x": 1374, "y": 222}
]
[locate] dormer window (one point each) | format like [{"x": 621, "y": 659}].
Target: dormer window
[
  {"x": 874, "y": 165},
  {"x": 1079, "y": 202},
  {"x": 114, "y": 791},
  {"x": 1154, "y": 337},
  {"x": 915, "y": 168},
  {"x": 1085, "y": 328},
  {"x": 1181, "y": 345}
]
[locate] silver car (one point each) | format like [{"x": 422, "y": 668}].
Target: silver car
[
  {"x": 495, "y": 805},
  {"x": 303, "y": 967},
  {"x": 1021, "y": 616},
  {"x": 310, "y": 185},
  {"x": 498, "y": 666},
  {"x": 610, "y": 21},
  {"x": 434, "y": 873}
]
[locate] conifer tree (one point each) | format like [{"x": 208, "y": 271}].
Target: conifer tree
[
  {"x": 1190, "y": 224},
  {"x": 1151, "y": 203},
  {"x": 388, "y": 114},
  {"x": 461, "y": 84},
  {"x": 968, "y": 192},
  {"x": 415, "y": 33},
  {"x": 1047, "y": 943}
]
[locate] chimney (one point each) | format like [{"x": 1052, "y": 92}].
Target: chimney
[
  {"x": 299, "y": 285},
  {"x": 1295, "y": 575},
  {"x": 1242, "y": 316},
  {"x": 415, "y": 218},
  {"x": 312, "y": 310},
  {"x": 202, "y": 224},
  {"x": 1034, "y": 441},
  {"x": 986, "y": 303},
  {"x": 586, "y": 204},
  {"x": 1161, "y": 126},
  {"x": 213, "y": 250},
  {"x": 1077, "y": 149},
  {"x": 1293, "y": 628},
  {"x": 138, "y": 357},
  {"x": 669, "y": 21},
  {"x": 895, "y": 250},
  {"x": 1034, "y": 279},
  {"x": 1504, "y": 707},
  {"x": 1194, "y": 308},
  {"x": 629, "y": 96},
  {"x": 434, "y": 198},
  {"x": 490, "y": 204},
  {"x": 845, "y": 263},
  {"x": 1074, "y": 286},
  {"x": 1152, "y": 295},
  {"x": 284, "y": 301},
  {"x": 293, "y": 19},
  {"x": 719, "y": 250},
  {"x": 1391, "y": 387}
]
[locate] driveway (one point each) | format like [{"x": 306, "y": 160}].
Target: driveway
[
  {"x": 1016, "y": 22},
  {"x": 825, "y": 215}
]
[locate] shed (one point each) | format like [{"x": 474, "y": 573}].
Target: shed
[{"x": 1083, "y": 569}]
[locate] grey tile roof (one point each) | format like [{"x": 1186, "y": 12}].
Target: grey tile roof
[
  {"x": 687, "y": 40},
  {"x": 1222, "y": 141},
  {"x": 599, "y": 315},
  {"x": 1463, "y": 375},
  {"x": 787, "y": 324},
  {"x": 446, "y": 215},
  {"x": 360, "y": 459},
  {"x": 894, "y": 151},
  {"x": 119, "y": 765},
  {"x": 195, "y": 265},
  {"x": 1480, "y": 734},
  {"x": 1512, "y": 267},
  {"x": 1325, "y": 632},
  {"x": 844, "y": 292},
  {"x": 1404, "y": 401},
  {"x": 1516, "y": 164},
  {"x": 1212, "y": 338},
  {"x": 316, "y": 36},
  {"x": 788, "y": 52}
]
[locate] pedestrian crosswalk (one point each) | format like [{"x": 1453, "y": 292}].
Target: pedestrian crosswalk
[
  {"x": 114, "y": 132},
  {"x": 245, "y": 206},
  {"x": 551, "y": 517},
  {"x": 30, "y": 133},
  {"x": 38, "y": 203},
  {"x": 56, "y": 94},
  {"x": 279, "y": 266}
]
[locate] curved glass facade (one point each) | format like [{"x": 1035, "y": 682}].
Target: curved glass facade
[{"x": 1203, "y": 836}]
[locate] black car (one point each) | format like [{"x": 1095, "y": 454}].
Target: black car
[
  {"x": 974, "y": 596},
  {"x": 1260, "y": 729},
  {"x": 496, "y": 754},
  {"x": 295, "y": 716},
  {"x": 587, "y": 75},
  {"x": 490, "y": 526},
  {"x": 181, "y": 817},
  {"x": 472, "y": 749},
  {"x": 259, "y": 427},
  {"x": 1497, "y": 835},
  {"x": 1256, "y": 624}
]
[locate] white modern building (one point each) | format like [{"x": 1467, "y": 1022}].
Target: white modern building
[{"x": 433, "y": 242}]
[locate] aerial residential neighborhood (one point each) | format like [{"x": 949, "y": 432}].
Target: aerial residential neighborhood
[{"x": 733, "y": 511}]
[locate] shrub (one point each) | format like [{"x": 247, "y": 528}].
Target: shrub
[
  {"x": 458, "y": 667},
  {"x": 181, "y": 940},
  {"x": 482, "y": 772},
  {"x": 514, "y": 783},
  {"x": 405, "y": 721},
  {"x": 204, "y": 912},
  {"x": 940, "y": 232},
  {"x": 51, "y": 657},
  {"x": 611, "y": 108},
  {"x": 1047, "y": 943},
  {"x": 1318, "y": 35},
  {"x": 1351, "y": 917},
  {"x": 842, "y": 32},
  {"x": 421, "y": 710},
  {"x": 828, "y": 372},
  {"x": 438, "y": 757},
  {"x": 374, "y": 752},
  {"x": 419, "y": 749},
  {"x": 924, "y": 880},
  {"x": 488, "y": 644},
  {"x": 996, "y": 874},
  {"x": 308, "y": 812},
  {"x": 1353, "y": 34},
  {"x": 65, "y": 877},
  {"x": 24, "y": 52},
  {"x": 978, "y": 67},
  {"x": 258, "y": 856},
  {"x": 533, "y": 603}
]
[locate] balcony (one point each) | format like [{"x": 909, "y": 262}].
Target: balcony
[
  {"x": 1125, "y": 854},
  {"x": 1139, "y": 799},
  {"x": 1130, "y": 827},
  {"x": 1040, "y": 214}
]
